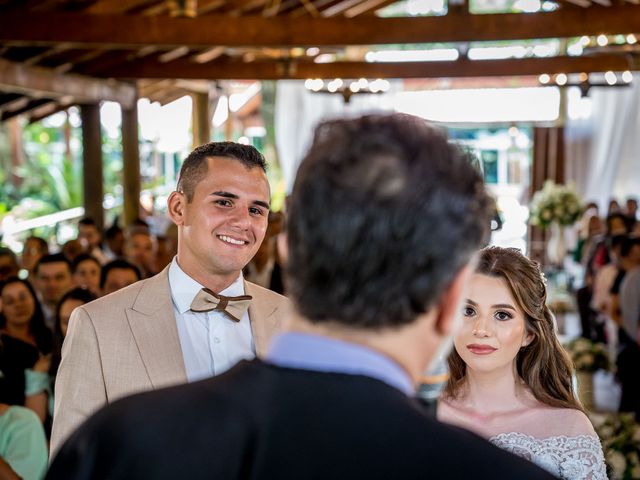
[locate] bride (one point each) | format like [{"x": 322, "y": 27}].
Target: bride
[{"x": 510, "y": 377}]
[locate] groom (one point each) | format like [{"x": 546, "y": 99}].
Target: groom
[{"x": 385, "y": 217}]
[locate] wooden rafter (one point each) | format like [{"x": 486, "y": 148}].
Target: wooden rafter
[
  {"x": 130, "y": 31},
  {"x": 262, "y": 70},
  {"x": 45, "y": 82}
]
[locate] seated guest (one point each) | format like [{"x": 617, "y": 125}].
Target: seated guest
[
  {"x": 114, "y": 240},
  {"x": 510, "y": 377},
  {"x": 90, "y": 238},
  {"x": 86, "y": 272},
  {"x": 72, "y": 249},
  {"x": 33, "y": 250},
  {"x": 52, "y": 280},
  {"x": 23, "y": 446},
  {"x": 629, "y": 335},
  {"x": 139, "y": 249},
  {"x": 118, "y": 274},
  {"x": 375, "y": 294},
  {"x": 631, "y": 211},
  {"x": 25, "y": 340},
  {"x": 8, "y": 264}
]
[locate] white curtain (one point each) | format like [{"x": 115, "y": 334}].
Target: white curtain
[
  {"x": 298, "y": 112},
  {"x": 603, "y": 149}
]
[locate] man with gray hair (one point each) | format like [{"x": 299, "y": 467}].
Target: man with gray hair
[{"x": 384, "y": 219}]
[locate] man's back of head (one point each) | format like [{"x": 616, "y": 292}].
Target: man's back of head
[{"x": 384, "y": 212}]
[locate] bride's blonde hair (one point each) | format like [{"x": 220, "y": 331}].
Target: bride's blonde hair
[{"x": 544, "y": 365}]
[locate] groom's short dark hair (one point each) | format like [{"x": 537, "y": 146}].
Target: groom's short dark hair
[{"x": 384, "y": 212}]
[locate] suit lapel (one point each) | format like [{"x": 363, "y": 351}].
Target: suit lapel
[
  {"x": 262, "y": 314},
  {"x": 154, "y": 329}
]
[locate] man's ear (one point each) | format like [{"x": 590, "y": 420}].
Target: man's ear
[
  {"x": 451, "y": 302},
  {"x": 175, "y": 207}
]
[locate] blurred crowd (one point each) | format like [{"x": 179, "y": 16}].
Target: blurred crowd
[{"x": 609, "y": 299}]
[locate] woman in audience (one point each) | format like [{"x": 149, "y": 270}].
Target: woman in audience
[
  {"x": 86, "y": 271},
  {"x": 25, "y": 343},
  {"x": 68, "y": 303},
  {"x": 511, "y": 380}
]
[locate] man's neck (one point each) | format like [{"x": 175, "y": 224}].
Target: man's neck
[
  {"x": 404, "y": 345},
  {"x": 214, "y": 282}
]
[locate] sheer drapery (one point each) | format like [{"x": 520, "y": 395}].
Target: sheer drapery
[
  {"x": 603, "y": 151},
  {"x": 298, "y": 111}
]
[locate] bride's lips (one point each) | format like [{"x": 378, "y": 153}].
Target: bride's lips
[{"x": 480, "y": 349}]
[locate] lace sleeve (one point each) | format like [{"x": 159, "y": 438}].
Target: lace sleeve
[{"x": 570, "y": 458}]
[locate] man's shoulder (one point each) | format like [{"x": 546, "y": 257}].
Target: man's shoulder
[
  {"x": 255, "y": 289},
  {"x": 265, "y": 294},
  {"x": 127, "y": 296}
]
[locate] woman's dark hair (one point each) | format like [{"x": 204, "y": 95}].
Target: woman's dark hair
[
  {"x": 37, "y": 327},
  {"x": 83, "y": 257},
  {"x": 81, "y": 294},
  {"x": 543, "y": 365}
]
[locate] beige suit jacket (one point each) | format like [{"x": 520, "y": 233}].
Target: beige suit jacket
[{"x": 127, "y": 342}]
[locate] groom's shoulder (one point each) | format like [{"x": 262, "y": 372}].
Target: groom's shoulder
[{"x": 149, "y": 291}]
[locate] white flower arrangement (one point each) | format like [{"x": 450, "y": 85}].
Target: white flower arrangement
[
  {"x": 554, "y": 204},
  {"x": 620, "y": 435},
  {"x": 588, "y": 356}
]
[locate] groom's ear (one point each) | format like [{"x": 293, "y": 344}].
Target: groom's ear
[
  {"x": 451, "y": 301},
  {"x": 175, "y": 207}
]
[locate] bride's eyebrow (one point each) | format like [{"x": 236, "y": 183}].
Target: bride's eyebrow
[{"x": 503, "y": 305}]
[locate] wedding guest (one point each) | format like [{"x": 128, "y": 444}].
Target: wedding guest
[
  {"x": 90, "y": 237},
  {"x": 629, "y": 335},
  {"x": 34, "y": 248},
  {"x": 23, "y": 446},
  {"x": 25, "y": 342},
  {"x": 613, "y": 207},
  {"x": 86, "y": 272},
  {"x": 631, "y": 209},
  {"x": 139, "y": 249},
  {"x": 511, "y": 380},
  {"x": 118, "y": 274},
  {"x": 52, "y": 280},
  {"x": 69, "y": 302},
  {"x": 114, "y": 240},
  {"x": 8, "y": 263}
]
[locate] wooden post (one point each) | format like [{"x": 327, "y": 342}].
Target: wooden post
[
  {"x": 201, "y": 120},
  {"x": 92, "y": 162},
  {"x": 548, "y": 164},
  {"x": 17, "y": 150},
  {"x": 131, "y": 165}
]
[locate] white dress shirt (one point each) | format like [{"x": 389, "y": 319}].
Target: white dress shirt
[{"x": 211, "y": 342}]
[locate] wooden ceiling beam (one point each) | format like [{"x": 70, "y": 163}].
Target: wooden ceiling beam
[
  {"x": 30, "y": 105},
  {"x": 262, "y": 70},
  {"x": 136, "y": 31},
  {"x": 115, "y": 6},
  {"x": 45, "y": 82},
  {"x": 368, "y": 6}
]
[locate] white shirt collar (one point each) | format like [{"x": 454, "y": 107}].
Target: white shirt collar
[{"x": 184, "y": 288}]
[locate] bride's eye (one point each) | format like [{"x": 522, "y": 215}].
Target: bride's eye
[
  {"x": 468, "y": 311},
  {"x": 500, "y": 315}
]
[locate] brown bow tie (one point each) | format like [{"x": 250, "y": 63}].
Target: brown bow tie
[{"x": 234, "y": 307}]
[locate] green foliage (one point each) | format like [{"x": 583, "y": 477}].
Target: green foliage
[{"x": 50, "y": 178}]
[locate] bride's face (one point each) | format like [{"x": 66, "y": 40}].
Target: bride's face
[{"x": 493, "y": 329}]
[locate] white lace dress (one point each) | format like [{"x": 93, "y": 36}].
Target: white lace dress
[{"x": 567, "y": 457}]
